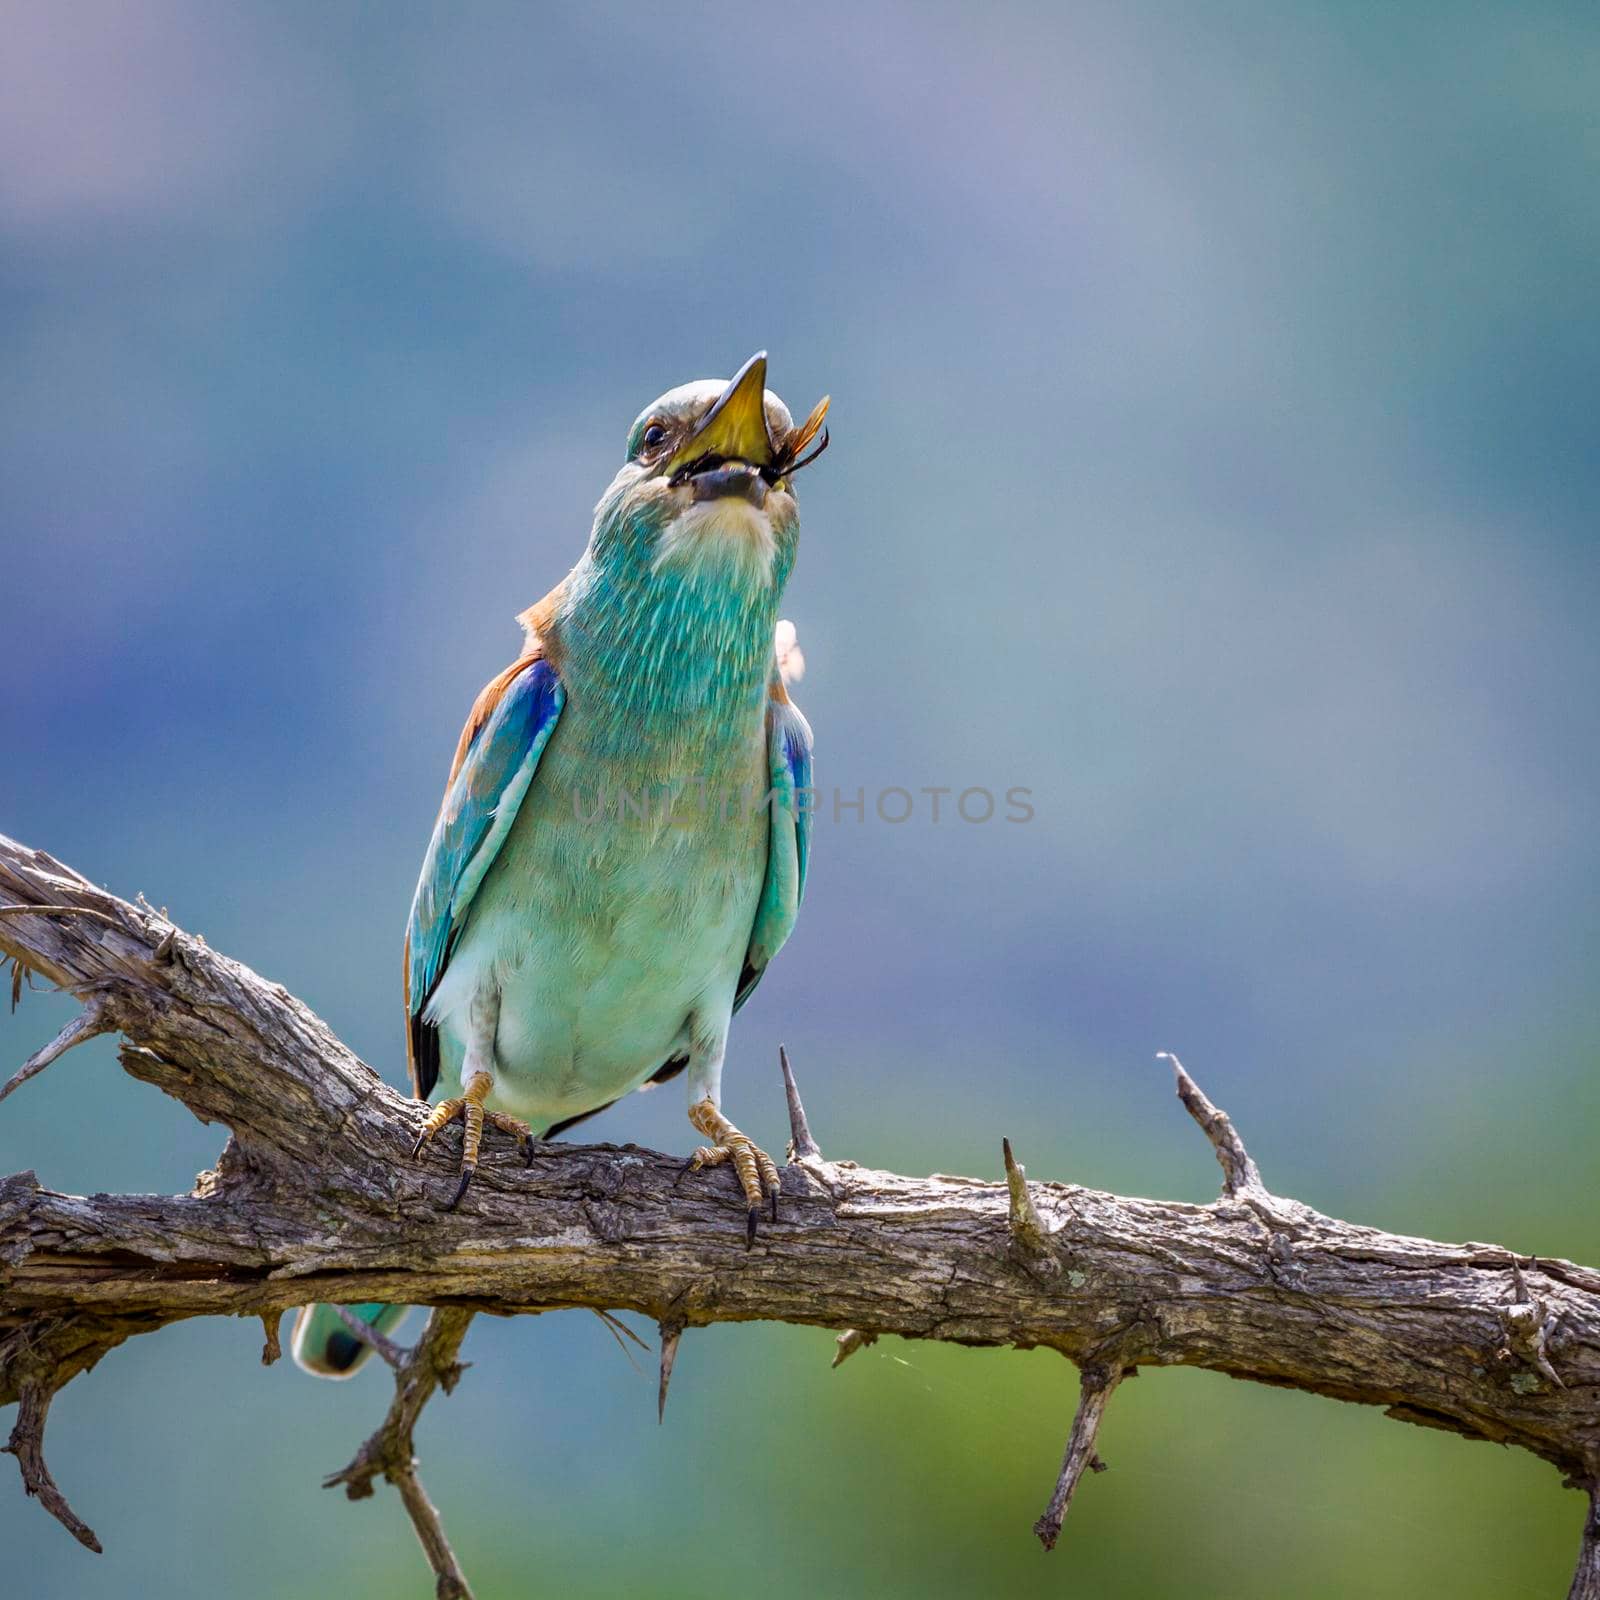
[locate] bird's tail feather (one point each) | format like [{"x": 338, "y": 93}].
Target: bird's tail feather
[{"x": 323, "y": 1344}]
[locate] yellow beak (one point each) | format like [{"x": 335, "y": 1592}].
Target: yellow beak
[{"x": 736, "y": 425}]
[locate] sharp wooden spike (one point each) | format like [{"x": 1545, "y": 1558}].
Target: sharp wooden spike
[
  {"x": 671, "y": 1333},
  {"x": 802, "y": 1147}
]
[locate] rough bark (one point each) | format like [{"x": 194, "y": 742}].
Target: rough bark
[{"x": 316, "y": 1197}]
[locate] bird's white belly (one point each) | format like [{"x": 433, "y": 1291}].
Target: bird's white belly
[{"x": 606, "y": 942}]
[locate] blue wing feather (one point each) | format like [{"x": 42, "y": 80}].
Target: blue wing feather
[
  {"x": 494, "y": 766},
  {"x": 797, "y": 755},
  {"x": 788, "y": 840}
]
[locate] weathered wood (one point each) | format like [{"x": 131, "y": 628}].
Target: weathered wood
[{"x": 316, "y": 1197}]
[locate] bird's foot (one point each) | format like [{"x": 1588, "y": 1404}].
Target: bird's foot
[
  {"x": 474, "y": 1115},
  {"x": 756, "y": 1170}
]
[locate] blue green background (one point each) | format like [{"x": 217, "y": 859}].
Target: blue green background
[{"x": 1214, "y": 417}]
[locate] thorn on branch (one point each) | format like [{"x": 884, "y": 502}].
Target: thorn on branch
[
  {"x": 1528, "y": 1324},
  {"x": 88, "y": 1023},
  {"x": 27, "y": 1445},
  {"x": 1240, "y": 1174},
  {"x": 802, "y": 1147},
  {"x": 272, "y": 1349},
  {"x": 430, "y": 1364},
  {"x": 851, "y": 1340},
  {"x": 1097, "y": 1383},
  {"x": 1023, "y": 1218},
  {"x": 671, "y": 1333}
]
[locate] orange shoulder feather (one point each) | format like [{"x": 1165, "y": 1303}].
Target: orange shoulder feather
[{"x": 538, "y": 623}]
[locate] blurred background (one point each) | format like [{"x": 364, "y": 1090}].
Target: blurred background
[{"x": 1214, "y": 455}]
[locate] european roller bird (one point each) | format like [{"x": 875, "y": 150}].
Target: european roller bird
[{"x": 621, "y": 849}]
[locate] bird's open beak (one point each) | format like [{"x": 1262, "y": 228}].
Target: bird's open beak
[{"x": 735, "y": 428}]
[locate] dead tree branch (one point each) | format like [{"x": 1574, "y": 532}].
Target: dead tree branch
[
  {"x": 1096, "y": 1383},
  {"x": 1586, "y": 1580},
  {"x": 27, "y": 1445},
  {"x": 315, "y": 1198},
  {"x": 430, "y": 1364},
  {"x": 88, "y": 1024}
]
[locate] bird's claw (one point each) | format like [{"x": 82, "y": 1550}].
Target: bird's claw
[
  {"x": 756, "y": 1170},
  {"x": 474, "y": 1116}
]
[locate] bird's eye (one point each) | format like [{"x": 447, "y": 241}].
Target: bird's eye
[{"x": 654, "y": 436}]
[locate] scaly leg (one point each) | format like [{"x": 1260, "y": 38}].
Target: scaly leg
[
  {"x": 756, "y": 1170},
  {"x": 477, "y": 1083}
]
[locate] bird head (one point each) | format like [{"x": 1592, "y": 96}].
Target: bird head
[{"x": 708, "y": 483}]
